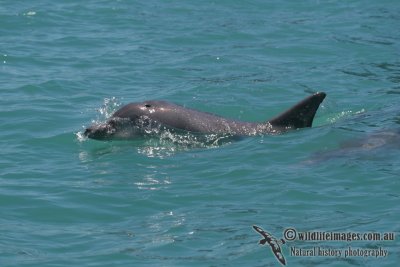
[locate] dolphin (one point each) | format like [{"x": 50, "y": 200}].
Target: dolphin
[
  {"x": 151, "y": 117},
  {"x": 374, "y": 144}
]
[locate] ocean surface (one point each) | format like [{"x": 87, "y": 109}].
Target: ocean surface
[{"x": 69, "y": 201}]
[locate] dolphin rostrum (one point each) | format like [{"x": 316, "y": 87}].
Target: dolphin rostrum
[{"x": 149, "y": 117}]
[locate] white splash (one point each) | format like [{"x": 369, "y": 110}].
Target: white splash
[{"x": 30, "y": 13}]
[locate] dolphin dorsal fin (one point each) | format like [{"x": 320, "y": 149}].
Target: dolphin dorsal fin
[{"x": 300, "y": 115}]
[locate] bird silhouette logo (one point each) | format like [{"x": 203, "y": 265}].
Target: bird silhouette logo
[{"x": 272, "y": 242}]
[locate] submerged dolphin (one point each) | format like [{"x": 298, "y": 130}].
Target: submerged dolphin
[
  {"x": 378, "y": 143},
  {"x": 152, "y": 116}
]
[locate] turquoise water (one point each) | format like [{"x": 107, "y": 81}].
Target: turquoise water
[{"x": 67, "y": 201}]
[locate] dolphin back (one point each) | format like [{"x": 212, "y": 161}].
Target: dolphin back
[{"x": 300, "y": 115}]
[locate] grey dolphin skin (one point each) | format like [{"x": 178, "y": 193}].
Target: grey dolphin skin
[
  {"x": 138, "y": 119},
  {"x": 371, "y": 145}
]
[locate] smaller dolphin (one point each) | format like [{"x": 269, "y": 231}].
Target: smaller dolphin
[
  {"x": 371, "y": 145},
  {"x": 151, "y": 117}
]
